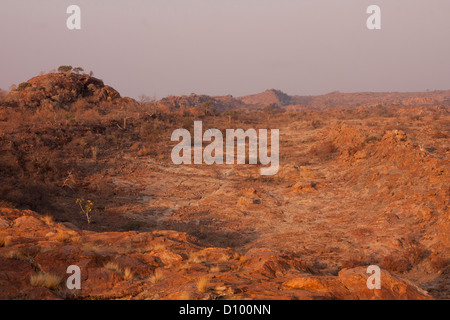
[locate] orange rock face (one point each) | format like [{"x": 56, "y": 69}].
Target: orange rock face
[{"x": 31, "y": 248}]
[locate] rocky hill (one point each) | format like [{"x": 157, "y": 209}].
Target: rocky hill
[{"x": 59, "y": 89}]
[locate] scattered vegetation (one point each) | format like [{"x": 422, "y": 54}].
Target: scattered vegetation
[
  {"x": 128, "y": 274},
  {"x": 64, "y": 69},
  {"x": 23, "y": 86},
  {"x": 113, "y": 266},
  {"x": 202, "y": 284},
  {"x": 48, "y": 220},
  {"x": 157, "y": 276},
  {"x": 323, "y": 150},
  {"x": 411, "y": 255},
  {"x": 86, "y": 209},
  {"x": 46, "y": 280},
  {"x": 3, "y": 241}
]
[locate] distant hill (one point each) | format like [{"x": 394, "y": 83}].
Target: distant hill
[
  {"x": 59, "y": 89},
  {"x": 267, "y": 97},
  {"x": 330, "y": 100},
  {"x": 338, "y": 99},
  {"x": 220, "y": 103}
]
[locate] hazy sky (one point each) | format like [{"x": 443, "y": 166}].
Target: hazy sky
[{"x": 233, "y": 47}]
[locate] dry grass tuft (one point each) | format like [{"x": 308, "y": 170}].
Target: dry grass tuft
[
  {"x": 113, "y": 266},
  {"x": 128, "y": 274},
  {"x": 157, "y": 276},
  {"x": 214, "y": 269},
  {"x": 184, "y": 296},
  {"x": 63, "y": 237},
  {"x": 48, "y": 220},
  {"x": 202, "y": 284},
  {"x": 194, "y": 257},
  {"x": 46, "y": 280},
  {"x": 3, "y": 240},
  {"x": 156, "y": 247}
]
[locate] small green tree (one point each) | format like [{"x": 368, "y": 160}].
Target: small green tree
[
  {"x": 208, "y": 108},
  {"x": 86, "y": 209},
  {"x": 64, "y": 69},
  {"x": 23, "y": 85},
  {"x": 78, "y": 70}
]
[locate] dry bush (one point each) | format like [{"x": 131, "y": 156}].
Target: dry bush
[
  {"x": 395, "y": 263},
  {"x": 202, "y": 284},
  {"x": 157, "y": 276},
  {"x": 48, "y": 220},
  {"x": 440, "y": 264},
  {"x": 133, "y": 225},
  {"x": 151, "y": 132},
  {"x": 46, "y": 280},
  {"x": 156, "y": 247},
  {"x": 128, "y": 274},
  {"x": 323, "y": 150},
  {"x": 194, "y": 257},
  {"x": 316, "y": 124},
  {"x": 412, "y": 255},
  {"x": 214, "y": 269},
  {"x": 438, "y": 134},
  {"x": 7, "y": 204},
  {"x": 3, "y": 240},
  {"x": 113, "y": 266},
  {"x": 184, "y": 296},
  {"x": 63, "y": 237}
]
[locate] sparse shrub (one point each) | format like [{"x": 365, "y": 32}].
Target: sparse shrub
[
  {"x": 406, "y": 260},
  {"x": 438, "y": 134},
  {"x": 65, "y": 69},
  {"x": 150, "y": 132},
  {"x": 77, "y": 70},
  {"x": 194, "y": 257},
  {"x": 188, "y": 123},
  {"x": 63, "y": 236},
  {"x": 208, "y": 108},
  {"x": 3, "y": 241},
  {"x": 86, "y": 209},
  {"x": 46, "y": 280},
  {"x": 184, "y": 296},
  {"x": 202, "y": 284},
  {"x": 214, "y": 269},
  {"x": 316, "y": 124},
  {"x": 437, "y": 263},
  {"x": 113, "y": 266},
  {"x": 323, "y": 150},
  {"x": 395, "y": 263},
  {"x": 128, "y": 274},
  {"x": 133, "y": 225},
  {"x": 414, "y": 253},
  {"x": 371, "y": 139},
  {"x": 156, "y": 247},
  {"x": 23, "y": 86},
  {"x": 382, "y": 111},
  {"x": 48, "y": 220},
  {"x": 231, "y": 114},
  {"x": 272, "y": 109},
  {"x": 157, "y": 276},
  {"x": 7, "y": 204}
]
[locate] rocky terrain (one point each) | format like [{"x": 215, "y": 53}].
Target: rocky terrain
[{"x": 362, "y": 185}]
